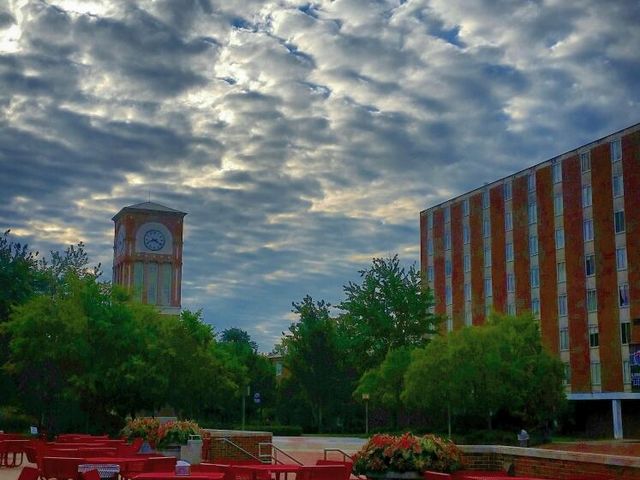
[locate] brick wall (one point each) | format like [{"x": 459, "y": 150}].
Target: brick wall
[
  {"x": 551, "y": 464},
  {"x": 221, "y": 449}
]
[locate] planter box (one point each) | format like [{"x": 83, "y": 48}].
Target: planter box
[
  {"x": 394, "y": 476},
  {"x": 171, "y": 451},
  {"x": 437, "y": 476}
]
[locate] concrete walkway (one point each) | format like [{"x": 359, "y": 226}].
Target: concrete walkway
[{"x": 309, "y": 449}]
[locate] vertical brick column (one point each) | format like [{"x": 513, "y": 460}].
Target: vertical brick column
[
  {"x": 438, "y": 263},
  {"x": 498, "y": 254},
  {"x": 576, "y": 286},
  {"x": 477, "y": 259},
  {"x": 547, "y": 261},
  {"x": 606, "y": 272},
  {"x": 457, "y": 267},
  {"x": 521, "y": 243}
]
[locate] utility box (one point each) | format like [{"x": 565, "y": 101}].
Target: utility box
[{"x": 192, "y": 451}]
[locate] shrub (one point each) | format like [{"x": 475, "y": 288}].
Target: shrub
[
  {"x": 407, "y": 453},
  {"x": 176, "y": 432},
  {"x": 144, "y": 427}
]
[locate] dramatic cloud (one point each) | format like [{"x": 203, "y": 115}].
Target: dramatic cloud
[{"x": 303, "y": 138}]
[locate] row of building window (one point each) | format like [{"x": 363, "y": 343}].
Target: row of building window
[
  {"x": 585, "y": 166},
  {"x": 594, "y": 336},
  {"x": 596, "y": 373},
  {"x": 592, "y": 298},
  {"x": 587, "y": 230},
  {"x": 589, "y": 262}
]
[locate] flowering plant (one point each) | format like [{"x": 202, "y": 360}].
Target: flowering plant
[
  {"x": 177, "y": 432},
  {"x": 145, "y": 428},
  {"x": 407, "y": 453}
]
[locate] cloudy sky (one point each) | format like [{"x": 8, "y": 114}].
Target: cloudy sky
[{"x": 303, "y": 138}]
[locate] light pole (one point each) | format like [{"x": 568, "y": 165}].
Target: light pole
[
  {"x": 244, "y": 405},
  {"x": 365, "y": 397}
]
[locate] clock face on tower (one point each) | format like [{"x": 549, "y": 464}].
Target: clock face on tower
[{"x": 154, "y": 240}]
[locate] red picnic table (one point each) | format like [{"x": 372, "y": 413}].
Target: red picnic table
[
  {"x": 173, "y": 476},
  {"x": 120, "y": 461},
  {"x": 11, "y": 452},
  {"x": 260, "y": 470}
]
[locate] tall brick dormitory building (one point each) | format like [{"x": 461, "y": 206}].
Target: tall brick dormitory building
[{"x": 560, "y": 239}]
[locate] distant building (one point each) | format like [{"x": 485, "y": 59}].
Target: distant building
[
  {"x": 147, "y": 254},
  {"x": 562, "y": 240},
  {"x": 277, "y": 360}
]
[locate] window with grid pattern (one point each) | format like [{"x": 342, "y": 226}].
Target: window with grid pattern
[
  {"x": 559, "y": 237},
  {"x": 564, "y": 338},
  {"x": 562, "y": 305},
  {"x": 558, "y": 204},
  {"x": 587, "y": 196},
  {"x": 587, "y": 229},
  {"x": 616, "y": 150},
  {"x": 557, "y": 171},
  {"x": 590, "y": 265},
  {"x": 623, "y": 295},
  {"x": 592, "y": 300},
  {"x": 562, "y": 272},
  {"x": 594, "y": 336},
  {"x": 618, "y": 220},
  {"x": 595, "y": 373},
  {"x": 509, "y": 252},
  {"x": 618, "y": 186},
  {"x": 585, "y": 162}
]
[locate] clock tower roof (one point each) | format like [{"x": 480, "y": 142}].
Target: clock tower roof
[{"x": 148, "y": 207}]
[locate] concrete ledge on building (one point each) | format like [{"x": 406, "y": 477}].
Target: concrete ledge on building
[
  {"x": 545, "y": 463},
  {"x": 560, "y": 455},
  {"x": 236, "y": 433}
]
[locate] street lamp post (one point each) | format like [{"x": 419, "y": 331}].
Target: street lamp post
[
  {"x": 244, "y": 404},
  {"x": 365, "y": 397}
]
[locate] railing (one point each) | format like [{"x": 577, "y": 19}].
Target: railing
[
  {"x": 345, "y": 455},
  {"x": 273, "y": 456},
  {"x": 238, "y": 447}
]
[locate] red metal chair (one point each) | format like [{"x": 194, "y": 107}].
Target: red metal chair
[
  {"x": 126, "y": 450},
  {"x": 324, "y": 472},
  {"x": 348, "y": 465},
  {"x": 160, "y": 464},
  {"x": 213, "y": 467},
  {"x": 61, "y": 468},
  {"x": 29, "y": 473},
  {"x": 129, "y": 470},
  {"x": 97, "y": 452},
  {"x": 91, "y": 475},
  {"x": 12, "y": 454}
]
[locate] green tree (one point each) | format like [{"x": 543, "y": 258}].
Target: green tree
[
  {"x": 385, "y": 383},
  {"x": 477, "y": 372},
  {"x": 312, "y": 356},
  {"x": 85, "y": 345},
  {"x": 389, "y": 309},
  {"x": 238, "y": 337},
  {"x": 21, "y": 277},
  {"x": 254, "y": 372},
  {"x": 197, "y": 369}
]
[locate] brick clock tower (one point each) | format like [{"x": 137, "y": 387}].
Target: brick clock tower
[{"x": 147, "y": 254}]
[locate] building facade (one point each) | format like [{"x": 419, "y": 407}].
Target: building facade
[
  {"x": 561, "y": 240},
  {"x": 147, "y": 254}
]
